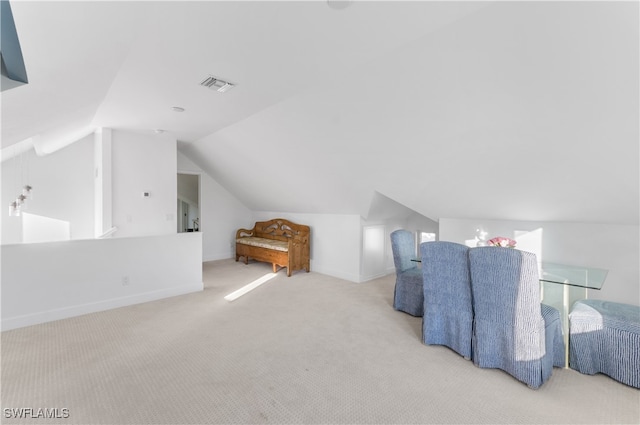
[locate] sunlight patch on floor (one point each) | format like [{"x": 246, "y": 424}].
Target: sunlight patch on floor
[{"x": 249, "y": 287}]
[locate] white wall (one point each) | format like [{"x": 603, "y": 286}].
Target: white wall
[
  {"x": 144, "y": 163},
  {"x": 375, "y": 234},
  {"x": 36, "y": 228},
  {"x": 417, "y": 222},
  {"x": 221, "y": 214},
  {"x": 375, "y": 251},
  {"x": 335, "y": 241},
  {"x": 62, "y": 188},
  {"x": 607, "y": 246},
  {"x": 388, "y": 215},
  {"x": 372, "y": 265},
  {"x": 55, "y": 280}
]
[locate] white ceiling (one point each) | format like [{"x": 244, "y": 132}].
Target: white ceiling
[{"x": 506, "y": 110}]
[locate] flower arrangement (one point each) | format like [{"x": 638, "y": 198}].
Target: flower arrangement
[{"x": 502, "y": 241}]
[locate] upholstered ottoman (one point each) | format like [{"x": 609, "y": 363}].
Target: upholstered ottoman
[{"x": 604, "y": 337}]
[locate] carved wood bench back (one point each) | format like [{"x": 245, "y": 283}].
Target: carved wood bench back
[{"x": 280, "y": 229}]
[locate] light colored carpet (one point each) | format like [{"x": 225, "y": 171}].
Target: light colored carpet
[{"x": 304, "y": 349}]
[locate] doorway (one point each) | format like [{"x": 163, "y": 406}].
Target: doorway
[{"x": 188, "y": 205}]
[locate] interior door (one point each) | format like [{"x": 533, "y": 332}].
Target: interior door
[{"x": 188, "y": 203}]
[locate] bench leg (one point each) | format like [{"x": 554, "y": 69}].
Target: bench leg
[{"x": 274, "y": 267}]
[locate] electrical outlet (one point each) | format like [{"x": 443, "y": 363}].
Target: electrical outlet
[{"x": 125, "y": 281}]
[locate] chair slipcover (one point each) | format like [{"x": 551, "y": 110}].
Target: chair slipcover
[
  {"x": 513, "y": 331},
  {"x": 604, "y": 337},
  {"x": 448, "y": 308},
  {"x": 408, "y": 296}
]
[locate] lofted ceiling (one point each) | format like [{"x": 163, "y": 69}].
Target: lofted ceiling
[{"x": 505, "y": 110}]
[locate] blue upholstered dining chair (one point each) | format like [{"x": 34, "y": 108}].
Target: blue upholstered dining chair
[
  {"x": 448, "y": 308},
  {"x": 604, "y": 337},
  {"x": 513, "y": 331},
  {"x": 408, "y": 295}
]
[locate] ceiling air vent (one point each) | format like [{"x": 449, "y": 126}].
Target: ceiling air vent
[{"x": 215, "y": 83}]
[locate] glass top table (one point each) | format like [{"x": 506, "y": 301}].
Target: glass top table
[
  {"x": 562, "y": 285},
  {"x": 582, "y": 277}
]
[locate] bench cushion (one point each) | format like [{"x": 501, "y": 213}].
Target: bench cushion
[{"x": 264, "y": 243}]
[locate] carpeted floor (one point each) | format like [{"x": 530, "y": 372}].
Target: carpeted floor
[{"x": 304, "y": 349}]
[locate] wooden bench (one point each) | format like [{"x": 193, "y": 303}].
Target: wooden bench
[{"x": 278, "y": 241}]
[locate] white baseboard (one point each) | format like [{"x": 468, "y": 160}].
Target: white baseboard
[
  {"x": 79, "y": 310},
  {"x": 351, "y": 277},
  {"x": 375, "y": 276},
  {"x": 218, "y": 256}
]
